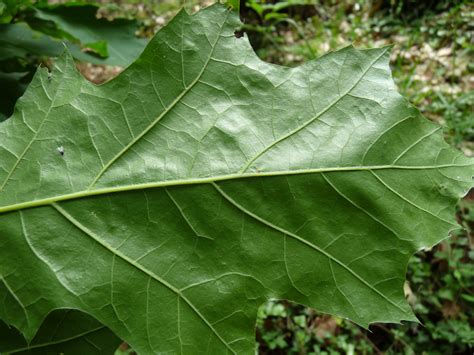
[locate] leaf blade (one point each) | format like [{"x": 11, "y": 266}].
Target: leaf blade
[
  {"x": 322, "y": 216},
  {"x": 62, "y": 331}
]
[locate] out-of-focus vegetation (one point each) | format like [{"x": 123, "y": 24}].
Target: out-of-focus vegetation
[
  {"x": 432, "y": 62},
  {"x": 31, "y": 32}
]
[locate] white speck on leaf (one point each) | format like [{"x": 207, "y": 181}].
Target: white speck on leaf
[{"x": 61, "y": 150}]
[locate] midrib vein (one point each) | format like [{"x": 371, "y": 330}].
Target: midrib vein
[
  {"x": 207, "y": 180},
  {"x": 312, "y": 119},
  {"x": 164, "y": 113},
  {"x": 141, "y": 268}
]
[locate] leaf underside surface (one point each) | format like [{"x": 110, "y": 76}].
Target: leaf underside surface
[
  {"x": 64, "y": 331},
  {"x": 172, "y": 201}
]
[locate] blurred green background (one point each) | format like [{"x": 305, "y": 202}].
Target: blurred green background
[{"x": 432, "y": 63}]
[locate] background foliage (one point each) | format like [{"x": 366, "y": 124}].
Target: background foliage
[{"x": 432, "y": 65}]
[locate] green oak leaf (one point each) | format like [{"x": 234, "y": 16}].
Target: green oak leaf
[
  {"x": 63, "y": 332},
  {"x": 18, "y": 40},
  {"x": 172, "y": 201}
]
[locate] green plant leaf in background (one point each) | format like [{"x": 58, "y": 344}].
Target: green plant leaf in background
[
  {"x": 44, "y": 31},
  {"x": 18, "y": 40},
  {"x": 18, "y": 44},
  {"x": 12, "y": 81},
  {"x": 170, "y": 202},
  {"x": 111, "y": 42},
  {"x": 234, "y": 4},
  {"x": 63, "y": 332},
  {"x": 108, "y": 42},
  {"x": 9, "y": 8}
]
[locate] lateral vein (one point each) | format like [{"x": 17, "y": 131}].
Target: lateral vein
[
  {"x": 314, "y": 118},
  {"x": 305, "y": 242},
  {"x": 163, "y": 114},
  {"x": 140, "y": 267}
]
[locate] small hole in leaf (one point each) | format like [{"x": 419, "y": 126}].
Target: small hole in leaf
[{"x": 239, "y": 34}]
